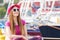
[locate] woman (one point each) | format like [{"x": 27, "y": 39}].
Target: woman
[{"x": 15, "y": 26}]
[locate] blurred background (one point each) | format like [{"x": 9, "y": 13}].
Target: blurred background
[{"x": 34, "y": 12}]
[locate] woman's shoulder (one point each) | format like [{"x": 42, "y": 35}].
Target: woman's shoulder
[
  {"x": 7, "y": 23},
  {"x": 23, "y": 21}
]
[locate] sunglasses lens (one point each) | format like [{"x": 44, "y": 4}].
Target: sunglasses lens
[
  {"x": 14, "y": 9},
  {"x": 17, "y": 9}
]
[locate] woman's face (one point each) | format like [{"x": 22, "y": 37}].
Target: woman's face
[{"x": 15, "y": 11}]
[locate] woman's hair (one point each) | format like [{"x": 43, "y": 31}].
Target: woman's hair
[{"x": 12, "y": 25}]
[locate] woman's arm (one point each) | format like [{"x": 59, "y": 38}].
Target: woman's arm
[
  {"x": 24, "y": 36},
  {"x": 25, "y": 30},
  {"x": 7, "y": 33}
]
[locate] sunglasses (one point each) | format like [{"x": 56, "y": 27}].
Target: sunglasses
[{"x": 15, "y": 10}]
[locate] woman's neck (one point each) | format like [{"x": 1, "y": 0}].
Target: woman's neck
[{"x": 15, "y": 21}]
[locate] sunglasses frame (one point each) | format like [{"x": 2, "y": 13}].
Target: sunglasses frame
[{"x": 15, "y": 9}]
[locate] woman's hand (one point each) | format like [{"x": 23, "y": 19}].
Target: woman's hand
[{"x": 18, "y": 36}]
